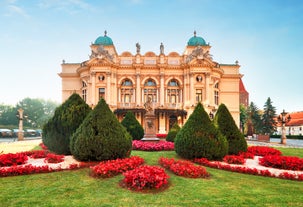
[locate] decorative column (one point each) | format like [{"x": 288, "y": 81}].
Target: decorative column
[
  {"x": 138, "y": 97},
  {"x": 107, "y": 91},
  {"x": 20, "y": 133},
  {"x": 162, "y": 89},
  {"x": 93, "y": 89},
  {"x": 283, "y": 119},
  {"x": 207, "y": 91},
  {"x": 192, "y": 90}
]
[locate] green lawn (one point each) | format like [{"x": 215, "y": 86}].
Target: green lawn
[{"x": 77, "y": 188}]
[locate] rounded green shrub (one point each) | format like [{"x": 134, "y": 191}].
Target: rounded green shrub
[
  {"x": 67, "y": 118},
  {"x": 101, "y": 137},
  {"x": 133, "y": 126},
  {"x": 172, "y": 133},
  {"x": 200, "y": 138},
  {"x": 226, "y": 124}
]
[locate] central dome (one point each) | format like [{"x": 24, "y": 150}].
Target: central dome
[
  {"x": 104, "y": 40},
  {"x": 195, "y": 41}
]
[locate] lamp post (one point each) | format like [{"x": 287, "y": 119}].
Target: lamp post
[
  {"x": 20, "y": 117},
  {"x": 283, "y": 120}
]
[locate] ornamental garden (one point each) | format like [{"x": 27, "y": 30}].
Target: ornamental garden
[{"x": 95, "y": 139}]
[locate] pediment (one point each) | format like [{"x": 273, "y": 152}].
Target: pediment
[
  {"x": 99, "y": 61},
  {"x": 202, "y": 61}
]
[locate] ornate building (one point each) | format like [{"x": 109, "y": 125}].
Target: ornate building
[{"x": 170, "y": 84}]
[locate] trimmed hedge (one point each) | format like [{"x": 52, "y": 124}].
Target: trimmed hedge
[
  {"x": 101, "y": 137},
  {"x": 173, "y": 132},
  {"x": 226, "y": 124},
  {"x": 67, "y": 118},
  {"x": 200, "y": 138},
  {"x": 133, "y": 126}
]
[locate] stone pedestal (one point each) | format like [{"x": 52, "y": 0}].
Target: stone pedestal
[{"x": 150, "y": 128}]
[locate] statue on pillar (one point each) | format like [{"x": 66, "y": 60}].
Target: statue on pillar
[
  {"x": 138, "y": 47},
  {"x": 161, "y": 48}
]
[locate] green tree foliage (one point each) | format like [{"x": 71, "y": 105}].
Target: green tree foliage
[
  {"x": 200, "y": 138},
  {"x": 133, "y": 126},
  {"x": 254, "y": 120},
  {"x": 37, "y": 112},
  {"x": 268, "y": 122},
  {"x": 243, "y": 118},
  {"x": 101, "y": 136},
  {"x": 173, "y": 132},
  {"x": 58, "y": 130},
  {"x": 226, "y": 124}
]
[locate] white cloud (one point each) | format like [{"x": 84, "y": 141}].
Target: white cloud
[{"x": 13, "y": 9}]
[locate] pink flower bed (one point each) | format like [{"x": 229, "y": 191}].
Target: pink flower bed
[
  {"x": 145, "y": 178},
  {"x": 163, "y": 136},
  {"x": 183, "y": 168},
  {"x": 234, "y": 159},
  {"x": 111, "y": 168},
  {"x": 282, "y": 162},
  {"x": 153, "y": 146}
]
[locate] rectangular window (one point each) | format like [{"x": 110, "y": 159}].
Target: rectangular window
[
  {"x": 216, "y": 97},
  {"x": 84, "y": 94},
  {"x": 198, "y": 95},
  {"x": 101, "y": 93}
]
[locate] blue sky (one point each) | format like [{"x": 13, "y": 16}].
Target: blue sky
[{"x": 264, "y": 36}]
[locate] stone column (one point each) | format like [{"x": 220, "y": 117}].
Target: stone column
[
  {"x": 161, "y": 89},
  {"x": 108, "y": 87},
  {"x": 138, "y": 97},
  {"x": 207, "y": 88},
  {"x": 93, "y": 89}
]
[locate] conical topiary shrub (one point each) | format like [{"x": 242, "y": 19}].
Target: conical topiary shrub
[
  {"x": 133, "y": 126},
  {"x": 101, "y": 136},
  {"x": 226, "y": 124},
  {"x": 67, "y": 118},
  {"x": 172, "y": 133},
  {"x": 200, "y": 138}
]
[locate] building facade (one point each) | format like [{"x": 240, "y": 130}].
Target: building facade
[{"x": 172, "y": 84}]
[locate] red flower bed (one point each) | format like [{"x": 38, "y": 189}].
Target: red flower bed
[
  {"x": 24, "y": 170},
  {"x": 234, "y": 159},
  {"x": 43, "y": 146},
  {"x": 35, "y": 154},
  {"x": 13, "y": 159},
  {"x": 53, "y": 158},
  {"x": 263, "y": 151},
  {"x": 145, "y": 177},
  {"x": 163, "y": 136},
  {"x": 111, "y": 168},
  {"x": 183, "y": 168},
  {"x": 252, "y": 171},
  {"x": 247, "y": 155},
  {"x": 153, "y": 146},
  {"x": 282, "y": 162}
]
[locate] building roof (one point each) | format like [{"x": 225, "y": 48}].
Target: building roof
[
  {"x": 195, "y": 41},
  {"x": 104, "y": 40},
  {"x": 296, "y": 119},
  {"x": 242, "y": 87}
]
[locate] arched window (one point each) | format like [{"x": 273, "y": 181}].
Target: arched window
[
  {"x": 216, "y": 93},
  {"x": 150, "y": 90},
  {"x": 126, "y": 91},
  {"x": 173, "y": 93}
]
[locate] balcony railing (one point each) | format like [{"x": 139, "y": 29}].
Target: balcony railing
[{"x": 154, "y": 105}]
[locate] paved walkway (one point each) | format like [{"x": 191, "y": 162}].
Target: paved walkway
[{"x": 19, "y": 146}]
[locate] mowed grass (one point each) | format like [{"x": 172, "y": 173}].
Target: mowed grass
[{"x": 77, "y": 188}]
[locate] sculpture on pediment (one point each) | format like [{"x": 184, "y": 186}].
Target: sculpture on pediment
[
  {"x": 101, "y": 53},
  {"x": 161, "y": 48},
  {"x": 138, "y": 47},
  {"x": 198, "y": 53}
]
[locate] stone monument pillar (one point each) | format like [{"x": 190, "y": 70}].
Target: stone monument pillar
[{"x": 150, "y": 123}]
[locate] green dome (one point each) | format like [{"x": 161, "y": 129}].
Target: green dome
[
  {"x": 104, "y": 40},
  {"x": 195, "y": 41}
]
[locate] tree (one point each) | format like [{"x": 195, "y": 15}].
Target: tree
[
  {"x": 37, "y": 112},
  {"x": 269, "y": 113},
  {"x": 243, "y": 118},
  {"x": 172, "y": 133},
  {"x": 254, "y": 119},
  {"x": 101, "y": 136},
  {"x": 58, "y": 130},
  {"x": 226, "y": 124},
  {"x": 133, "y": 126},
  {"x": 200, "y": 138}
]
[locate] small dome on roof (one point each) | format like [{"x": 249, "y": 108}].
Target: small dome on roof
[
  {"x": 103, "y": 40},
  {"x": 195, "y": 41}
]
